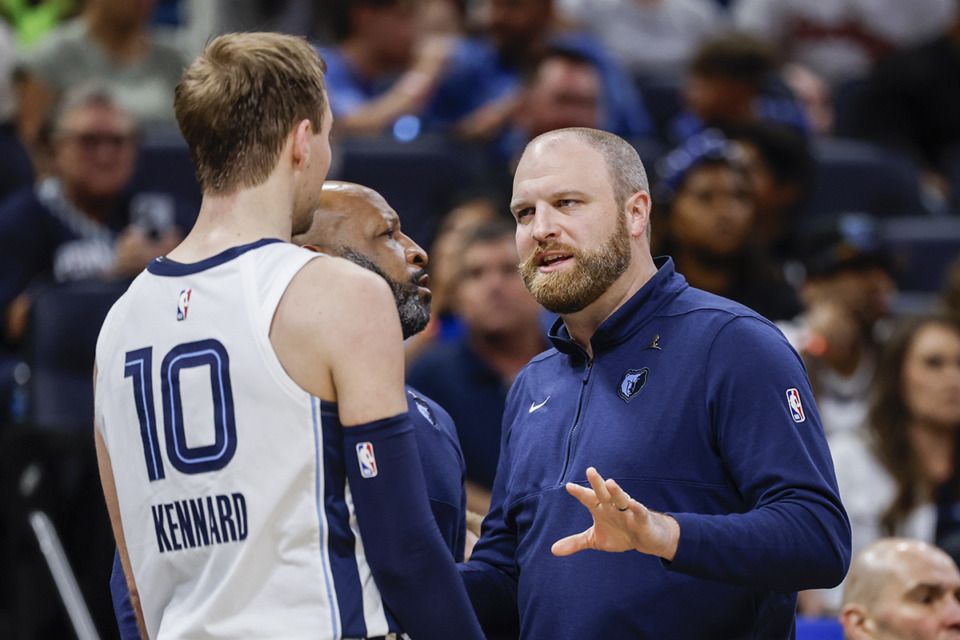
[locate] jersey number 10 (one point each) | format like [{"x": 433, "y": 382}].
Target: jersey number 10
[{"x": 184, "y": 458}]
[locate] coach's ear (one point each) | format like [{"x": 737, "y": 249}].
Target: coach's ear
[{"x": 638, "y": 213}]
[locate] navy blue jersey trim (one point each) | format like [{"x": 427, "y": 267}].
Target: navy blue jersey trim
[
  {"x": 164, "y": 266},
  {"x": 322, "y": 516},
  {"x": 342, "y": 543}
]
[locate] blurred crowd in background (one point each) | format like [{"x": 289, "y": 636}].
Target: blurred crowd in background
[{"x": 803, "y": 157}]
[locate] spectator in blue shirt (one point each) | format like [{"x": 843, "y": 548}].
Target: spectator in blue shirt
[
  {"x": 487, "y": 72},
  {"x": 732, "y": 82}
]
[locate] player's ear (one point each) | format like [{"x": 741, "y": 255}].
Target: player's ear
[{"x": 300, "y": 144}]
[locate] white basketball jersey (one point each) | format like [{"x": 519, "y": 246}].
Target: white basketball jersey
[{"x": 235, "y": 510}]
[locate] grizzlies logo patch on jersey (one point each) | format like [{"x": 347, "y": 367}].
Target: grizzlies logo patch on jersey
[
  {"x": 424, "y": 408},
  {"x": 632, "y": 382}
]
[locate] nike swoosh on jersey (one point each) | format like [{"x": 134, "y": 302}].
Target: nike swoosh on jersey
[{"x": 534, "y": 406}]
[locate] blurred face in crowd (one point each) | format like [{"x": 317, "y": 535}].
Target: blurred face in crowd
[
  {"x": 712, "y": 211},
  {"x": 716, "y": 99},
  {"x": 391, "y": 29},
  {"x": 814, "y": 94},
  {"x": 931, "y": 376},
  {"x": 356, "y": 223},
  {"x": 771, "y": 198},
  {"x": 572, "y": 235},
  {"x": 564, "y": 93},
  {"x": 95, "y": 151},
  {"x": 865, "y": 292},
  {"x": 125, "y": 14},
  {"x": 490, "y": 295},
  {"x": 918, "y": 598},
  {"x": 440, "y": 17},
  {"x": 514, "y": 24},
  {"x": 448, "y": 244}
]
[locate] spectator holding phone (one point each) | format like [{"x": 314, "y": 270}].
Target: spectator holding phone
[{"x": 80, "y": 221}]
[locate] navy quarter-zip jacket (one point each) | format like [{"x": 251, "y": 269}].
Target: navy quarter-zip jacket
[{"x": 699, "y": 408}]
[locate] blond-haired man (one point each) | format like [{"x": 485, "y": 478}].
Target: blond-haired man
[{"x": 243, "y": 506}]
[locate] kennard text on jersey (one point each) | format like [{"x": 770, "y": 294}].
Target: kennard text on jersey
[{"x": 200, "y": 522}]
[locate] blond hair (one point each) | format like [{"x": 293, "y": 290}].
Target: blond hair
[{"x": 237, "y": 102}]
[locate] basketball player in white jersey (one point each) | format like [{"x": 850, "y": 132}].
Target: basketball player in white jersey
[{"x": 240, "y": 510}]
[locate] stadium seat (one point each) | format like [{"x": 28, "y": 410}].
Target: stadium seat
[
  {"x": 48, "y": 465},
  {"x": 650, "y": 151},
  {"x": 16, "y": 169},
  {"x": 845, "y": 97},
  {"x": 661, "y": 95},
  {"x": 164, "y": 166},
  {"x": 62, "y": 334},
  {"x": 860, "y": 176},
  {"x": 924, "y": 249},
  {"x": 953, "y": 178}
]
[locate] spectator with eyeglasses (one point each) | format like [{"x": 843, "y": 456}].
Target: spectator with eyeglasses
[{"x": 79, "y": 221}]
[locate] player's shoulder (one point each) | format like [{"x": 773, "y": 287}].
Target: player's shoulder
[
  {"x": 334, "y": 295},
  {"x": 329, "y": 264},
  {"x": 330, "y": 277}
]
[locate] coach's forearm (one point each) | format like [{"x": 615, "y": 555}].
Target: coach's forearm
[{"x": 411, "y": 565}]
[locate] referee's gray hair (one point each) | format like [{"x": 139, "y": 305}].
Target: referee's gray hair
[{"x": 626, "y": 170}]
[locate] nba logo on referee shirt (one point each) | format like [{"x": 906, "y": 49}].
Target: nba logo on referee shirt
[
  {"x": 796, "y": 408},
  {"x": 183, "y": 302},
  {"x": 368, "y": 463}
]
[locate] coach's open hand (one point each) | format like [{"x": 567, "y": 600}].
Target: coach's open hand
[{"x": 620, "y": 523}]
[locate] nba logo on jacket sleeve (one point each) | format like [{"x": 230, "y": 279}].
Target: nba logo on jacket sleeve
[
  {"x": 796, "y": 408},
  {"x": 183, "y": 302},
  {"x": 368, "y": 463}
]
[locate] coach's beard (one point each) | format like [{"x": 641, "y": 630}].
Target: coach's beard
[
  {"x": 414, "y": 311},
  {"x": 591, "y": 274}
]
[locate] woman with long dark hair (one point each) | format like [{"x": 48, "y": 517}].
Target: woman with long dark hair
[
  {"x": 914, "y": 415},
  {"x": 900, "y": 474}
]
